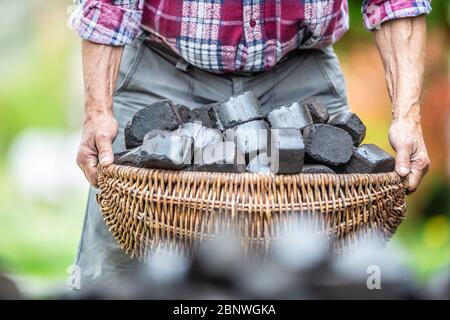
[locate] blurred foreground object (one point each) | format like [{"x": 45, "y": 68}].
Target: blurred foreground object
[
  {"x": 439, "y": 286},
  {"x": 8, "y": 289},
  {"x": 299, "y": 266}
]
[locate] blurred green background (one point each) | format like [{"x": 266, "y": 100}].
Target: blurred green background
[{"x": 42, "y": 193}]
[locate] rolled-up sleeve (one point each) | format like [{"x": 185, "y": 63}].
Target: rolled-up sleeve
[
  {"x": 375, "y": 12},
  {"x": 110, "y": 22}
]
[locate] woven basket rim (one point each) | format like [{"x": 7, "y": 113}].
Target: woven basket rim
[
  {"x": 235, "y": 180},
  {"x": 124, "y": 170}
]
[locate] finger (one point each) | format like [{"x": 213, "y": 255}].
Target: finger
[
  {"x": 105, "y": 152},
  {"x": 402, "y": 161},
  {"x": 418, "y": 170},
  {"x": 414, "y": 180},
  {"x": 91, "y": 174},
  {"x": 87, "y": 161},
  {"x": 90, "y": 171}
]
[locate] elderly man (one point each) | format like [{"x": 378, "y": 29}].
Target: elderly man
[{"x": 195, "y": 52}]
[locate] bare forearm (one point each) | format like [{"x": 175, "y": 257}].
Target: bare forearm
[
  {"x": 402, "y": 46},
  {"x": 100, "y": 67}
]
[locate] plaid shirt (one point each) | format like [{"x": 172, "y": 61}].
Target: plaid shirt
[{"x": 232, "y": 35}]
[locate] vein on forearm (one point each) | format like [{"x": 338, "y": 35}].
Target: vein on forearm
[
  {"x": 402, "y": 45},
  {"x": 100, "y": 68}
]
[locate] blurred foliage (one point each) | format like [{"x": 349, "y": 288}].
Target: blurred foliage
[
  {"x": 38, "y": 238},
  {"x": 37, "y": 90},
  {"x": 34, "y": 90}
]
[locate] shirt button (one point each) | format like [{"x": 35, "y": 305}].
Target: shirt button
[{"x": 252, "y": 23}]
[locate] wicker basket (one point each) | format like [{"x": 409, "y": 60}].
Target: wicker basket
[{"x": 146, "y": 207}]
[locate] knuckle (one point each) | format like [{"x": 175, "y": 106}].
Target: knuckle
[
  {"x": 408, "y": 145},
  {"x": 81, "y": 159},
  {"x": 423, "y": 163},
  {"x": 102, "y": 136},
  {"x": 405, "y": 149},
  {"x": 104, "y": 148},
  {"x": 402, "y": 159},
  {"x": 402, "y": 149},
  {"x": 103, "y": 152}
]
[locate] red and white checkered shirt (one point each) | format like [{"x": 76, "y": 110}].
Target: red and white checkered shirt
[{"x": 232, "y": 35}]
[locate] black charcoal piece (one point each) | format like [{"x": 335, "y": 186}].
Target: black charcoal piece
[
  {"x": 118, "y": 155},
  {"x": 287, "y": 150},
  {"x": 319, "y": 112},
  {"x": 184, "y": 113},
  {"x": 291, "y": 116},
  {"x": 316, "y": 168},
  {"x": 327, "y": 144},
  {"x": 204, "y": 115},
  {"x": 219, "y": 157},
  {"x": 250, "y": 137},
  {"x": 351, "y": 123},
  {"x": 157, "y": 116},
  {"x": 259, "y": 164},
  {"x": 369, "y": 158},
  {"x": 341, "y": 169},
  {"x": 202, "y": 135},
  {"x": 161, "y": 149},
  {"x": 218, "y": 167},
  {"x": 238, "y": 109}
]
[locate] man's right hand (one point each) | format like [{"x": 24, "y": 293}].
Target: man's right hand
[
  {"x": 100, "y": 68},
  {"x": 99, "y": 132}
]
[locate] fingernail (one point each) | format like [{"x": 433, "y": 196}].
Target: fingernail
[{"x": 403, "y": 171}]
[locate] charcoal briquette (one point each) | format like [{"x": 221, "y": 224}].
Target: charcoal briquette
[
  {"x": 316, "y": 168},
  {"x": 327, "y": 144},
  {"x": 201, "y": 135},
  {"x": 220, "y": 156},
  {"x": 204, "y": 115},
  {"x": 290, "y": 116},
  {"x": 287, "y": 150},
  {"x": 368, "y": 158},
  {"x": 351, "y": 123},
  {"x": 259, "y": 164},
  {"x": 319, "y": 112},
  {"x": 251, "y": 137},
  {"x": 157, "y": 116},
  {"x": 161, "y": 149},
  {"x": 238, "y": 109}
]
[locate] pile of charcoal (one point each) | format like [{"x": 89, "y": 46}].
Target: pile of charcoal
[{"x": 236, "y": 136}]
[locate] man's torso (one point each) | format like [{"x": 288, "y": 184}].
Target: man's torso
[{"x": 243, "y": 35}]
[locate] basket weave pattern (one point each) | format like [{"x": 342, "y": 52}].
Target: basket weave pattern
[{"x": 145, "y": 207}]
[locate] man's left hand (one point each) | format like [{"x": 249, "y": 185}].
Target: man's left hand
[{"x": 412, "y": 159}]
